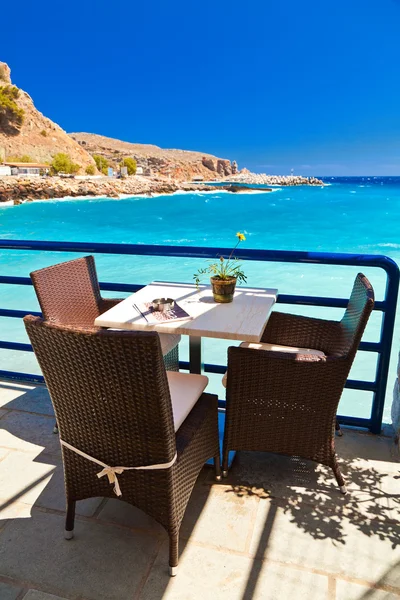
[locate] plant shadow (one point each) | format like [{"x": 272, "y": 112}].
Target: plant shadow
[{"x": 308, "y": 493}]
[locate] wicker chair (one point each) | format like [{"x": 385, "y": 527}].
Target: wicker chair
[
  {"x": 116, "y": 404},
  {"x": 286, "y": 401},
  {"x": 69, "y": 293}
]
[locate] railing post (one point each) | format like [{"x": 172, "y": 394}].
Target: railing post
[{"x": 387, "y": 328}]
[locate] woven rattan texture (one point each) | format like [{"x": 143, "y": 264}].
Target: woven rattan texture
[
  {"x": 69, "y": 294},
  {"x": 111, "y": 398},
  {"x": 287, "y": 403}
]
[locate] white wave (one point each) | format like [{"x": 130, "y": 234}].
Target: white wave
[
  {"x": 260, "y": 191},
  {"x": 81, "y": 198},
  {"x": 180, "y": 241},
  {"x": 143, "y": 196}
]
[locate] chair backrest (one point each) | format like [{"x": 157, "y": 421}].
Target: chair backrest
[
  {"x": 356, "y": 316},
  {"x": 109, "y": 390},
  {"x": 69, "y": 292}
]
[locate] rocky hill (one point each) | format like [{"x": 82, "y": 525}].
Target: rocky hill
[
  {"x": 36, "y": 137},
  {"x": 180, "y": 165},
  {"x": 24, "y": 131}
]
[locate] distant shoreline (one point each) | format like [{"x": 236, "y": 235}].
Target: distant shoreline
[
  {"x": 27, "y": 189},
  {"x": 10, "y": 203}
]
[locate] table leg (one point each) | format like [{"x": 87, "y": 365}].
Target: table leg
[{"x": 195, "y": 359}]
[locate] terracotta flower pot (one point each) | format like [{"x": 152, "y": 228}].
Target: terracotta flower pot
[{"x": 223, "y": 289}]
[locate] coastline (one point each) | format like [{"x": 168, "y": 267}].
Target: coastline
[
  {"x": 17, "y": 190},
  {"x": 179, "y": 192},
  {"x": 12, "y": 203}
]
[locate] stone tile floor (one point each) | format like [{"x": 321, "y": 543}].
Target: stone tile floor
[{"x": 277, "y": 528}]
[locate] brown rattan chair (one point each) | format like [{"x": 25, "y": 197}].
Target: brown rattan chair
[
  {"x": 69, "y": 293},
  {"x": 114, "y": 404},
  {"x": 286, "y": 402}
]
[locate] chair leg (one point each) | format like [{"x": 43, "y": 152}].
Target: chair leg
[
  {"x": 338, "y": 429},
  {"x": 173, "y": 553},
  {"x": 70, "y": 520},
  {"x": 225, "y": 462},
  {"x": 55, "y": 428},
  {"x": 338, "y": 475},
  {"x": 217, "y": 467}
]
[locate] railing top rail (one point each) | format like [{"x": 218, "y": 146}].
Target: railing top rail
[{"x": 295, "y": 256}]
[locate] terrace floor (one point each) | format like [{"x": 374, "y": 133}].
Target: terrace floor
[{"x": 277, "y": 528}]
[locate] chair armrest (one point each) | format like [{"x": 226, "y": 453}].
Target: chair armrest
[
  {"x": 107, "y": 303},
  {"x": 302, "y": 332},
  {"x": 283, "y": 377}
]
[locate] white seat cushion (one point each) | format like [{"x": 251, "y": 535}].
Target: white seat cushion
[
  {"x": 275, "y": 348},
  {"x": 185, "y": 390},
  {"x": 168, "y": 342}
]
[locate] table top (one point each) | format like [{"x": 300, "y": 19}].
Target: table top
[{"x": 243, "y": 319}]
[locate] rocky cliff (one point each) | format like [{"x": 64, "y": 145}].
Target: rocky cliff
[
  {"x": 36, "y": 137},
  {"x": 180, "y": 165},
  {"x": 24, "y": 131}
]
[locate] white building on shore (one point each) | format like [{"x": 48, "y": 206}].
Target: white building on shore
[
  {"x": 5, "y": 170},
  {"x": 25, "y": 168}
]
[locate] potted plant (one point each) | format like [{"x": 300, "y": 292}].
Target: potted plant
[{"x": 225, "y": 273}]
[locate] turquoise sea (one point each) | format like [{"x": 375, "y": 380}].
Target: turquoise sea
[{"x": 348, "y": 215}]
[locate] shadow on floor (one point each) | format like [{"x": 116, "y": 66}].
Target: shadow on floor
[
  {"x": 115, "y": 550},
  {"x": 297, "y": 484},
  {"x": 307, "y": 493},
  {"x": 98, "y": 562}
]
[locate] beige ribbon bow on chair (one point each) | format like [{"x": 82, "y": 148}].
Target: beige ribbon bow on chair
[{"x": 112, "y": 472}]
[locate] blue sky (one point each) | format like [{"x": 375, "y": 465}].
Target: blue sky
[{"x": 313, "y": 86}]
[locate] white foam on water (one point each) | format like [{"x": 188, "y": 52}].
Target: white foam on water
[
  {"x": 179, "y": 241},
  {"x": 75, "y": 199}
]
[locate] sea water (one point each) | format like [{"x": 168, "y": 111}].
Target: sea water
[{"x": 360, "y": 215}]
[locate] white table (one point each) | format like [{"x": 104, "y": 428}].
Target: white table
[{"x": 244, "y": 319}]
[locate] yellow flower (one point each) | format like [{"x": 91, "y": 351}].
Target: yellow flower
[{"x": 241, "y": 236}]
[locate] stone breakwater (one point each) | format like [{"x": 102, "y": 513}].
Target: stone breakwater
[
  {"x": 19, "y": 189},
  {"x": 263, "y": 178}
]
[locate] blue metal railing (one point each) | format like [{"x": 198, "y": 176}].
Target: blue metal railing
[{"x": 387, "y": 306}]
